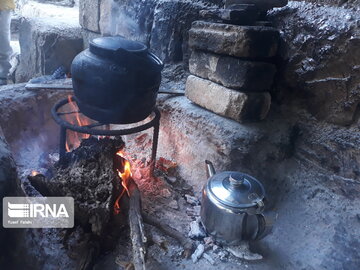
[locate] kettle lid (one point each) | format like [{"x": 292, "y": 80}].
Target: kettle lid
[
  {"x": 235, "y": 189},
  {"x": 106, "y": 46}
]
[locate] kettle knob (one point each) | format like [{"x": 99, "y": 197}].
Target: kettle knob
[{"x": 236, "y": 181}]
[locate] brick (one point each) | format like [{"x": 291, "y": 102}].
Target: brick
[
  {"x": 262, "y": 5},
  {"x": 239, "y": 106},
  {"x": 232, "y": 72},
  {"x": 235, "y": 40}
]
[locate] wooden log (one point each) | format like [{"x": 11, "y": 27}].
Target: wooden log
[{"x": 137, "y": 235}]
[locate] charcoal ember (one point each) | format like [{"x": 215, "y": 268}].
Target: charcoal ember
[
  {"x": 38, "y": 181},
  {"x": 88, "y": 175}
]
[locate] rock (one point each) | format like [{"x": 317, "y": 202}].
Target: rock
[
  {"x": 196, "y": 230},
  {"x": 9, "y": 185},
  {"x": 209, "y": 241},
  {"x": 245, "y": 15},
  {"x": 198, "y": 253},
  {"x": 48, "y": 40},
  {"x": 171, "y": 179},
  {"x": 8, "y": 174},
  {"x": 235, "y": 40},
  {"x": 67, "y": 3},
  {"x": 232, "y": 72},
  {"x": 223, "y": 255},
  {"x": 89, "y": 16},
  {"x": 243, "y": 252},
  {"x": 320, "y": 77},
  {"x": 262, "y": 5},
  {"x": 172, "y": 21},
  {"x": 194, "y": 211},
  {"x": 173, "y": 205},
  {"x": 239, "y": 106},
  {"x": 349, "y": 4},
  {"x": 191, "y": 200},
  {"x": 209, "y": 258}
]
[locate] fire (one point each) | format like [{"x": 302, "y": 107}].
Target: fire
[
  {"x": 124, "y": 174},
  {"x": 74, "y": 138},
  {"x": 34, "y": 173}
]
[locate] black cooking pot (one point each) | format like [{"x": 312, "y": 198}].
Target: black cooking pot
[{"x": 116, "y": 80}]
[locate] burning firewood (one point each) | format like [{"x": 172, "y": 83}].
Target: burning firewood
[{"x": 137, "y": 234}]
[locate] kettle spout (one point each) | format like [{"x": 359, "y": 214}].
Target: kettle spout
[{"x": 209, "y": 168}]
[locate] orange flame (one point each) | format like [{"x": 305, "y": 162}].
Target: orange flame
[
  {"x": 34, "y": 173},
  {"x": 124, "y": 176},
  {"x": 74, "y": 138}
]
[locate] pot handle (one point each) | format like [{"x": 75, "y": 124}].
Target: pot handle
[{"x": 140, "y": 61}]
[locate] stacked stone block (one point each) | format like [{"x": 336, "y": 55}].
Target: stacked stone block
[{"x": 231, "y": 67}]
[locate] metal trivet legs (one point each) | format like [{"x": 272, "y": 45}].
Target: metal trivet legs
[{"x": 93, "y": 129}]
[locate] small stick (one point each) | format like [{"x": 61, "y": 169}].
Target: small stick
[{"x": 184, "y": 241}]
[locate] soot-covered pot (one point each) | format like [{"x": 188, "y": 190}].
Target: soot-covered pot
[{"x": 116, "y": 80}]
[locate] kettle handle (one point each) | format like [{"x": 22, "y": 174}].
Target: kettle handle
[
  {"x": 265, "y": 224},
  {"x": 260, "y": 206}
]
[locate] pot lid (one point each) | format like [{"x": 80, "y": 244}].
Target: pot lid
[
  {"x": 236, "y": 189},
  {"x": 109, "y": 45}
]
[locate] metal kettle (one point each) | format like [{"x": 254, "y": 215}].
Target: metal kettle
[{"x": 232, "y": 207}]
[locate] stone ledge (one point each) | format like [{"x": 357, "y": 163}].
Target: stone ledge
[
  {"x": 239, "y": 106},
  {"x": 46, "y": 44},
  {"x": 190, "y": 134}
]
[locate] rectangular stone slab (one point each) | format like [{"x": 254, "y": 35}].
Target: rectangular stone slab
[
  {"x": 246, "y": 15},
  {"x": 235, "y": 40},
  {"x": 239, "y": 106},
  {"x": 263, "y": 5},
  {"x": 89, "y": 15},
  {"x": 232, "y": 72}
]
